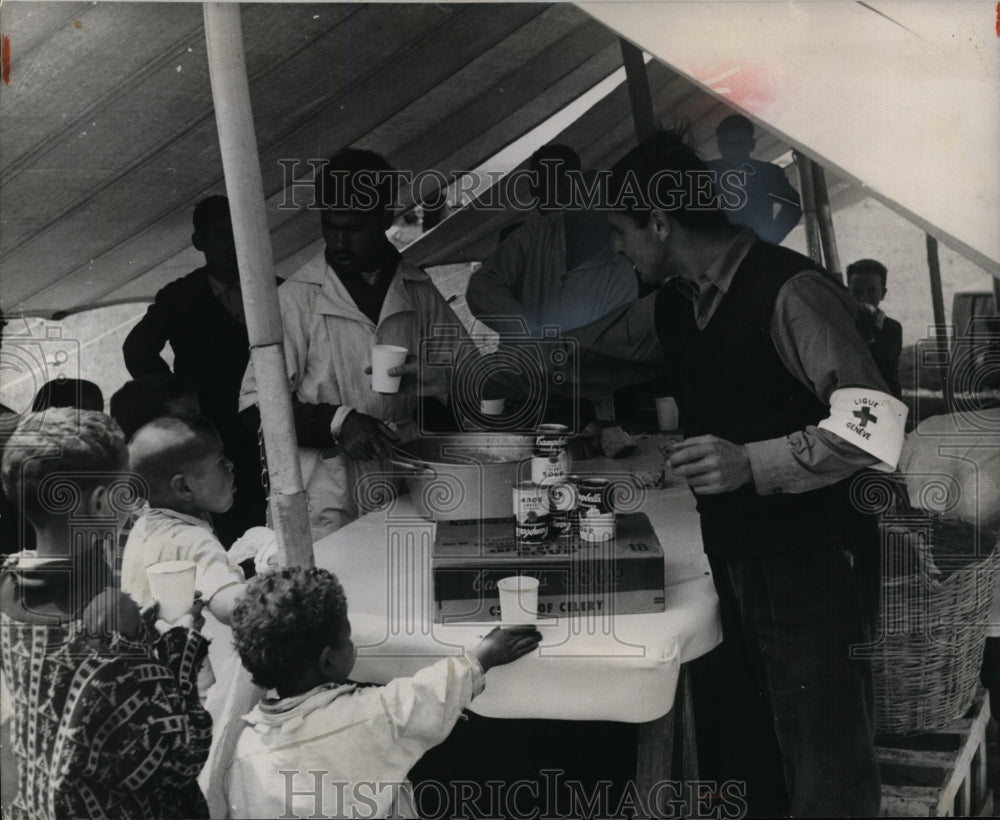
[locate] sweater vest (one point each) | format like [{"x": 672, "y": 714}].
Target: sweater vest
[{"x": 737, "y": 388}]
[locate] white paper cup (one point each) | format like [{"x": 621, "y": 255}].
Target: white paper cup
[
  {"x": 667, "y": 417},
  {"x": 492, "y": 407},
  {"x": 518, "y": 599},
  {"x": 383, "y": 358},
  {"x": 171, "y": 583}
]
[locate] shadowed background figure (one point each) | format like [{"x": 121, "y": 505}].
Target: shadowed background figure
[{"x": 772, "y": 206}]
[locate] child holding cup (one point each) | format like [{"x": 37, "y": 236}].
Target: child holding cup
[
  {"x": 188, "y": 477},
  {"x": 293, "y": 635}
]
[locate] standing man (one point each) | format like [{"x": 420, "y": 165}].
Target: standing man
[
  {"x": 786, "y": 405},
  {"x": 866, "y": 280},
  {"x": 201, "y": 316},
  {"x": 557, "y": 269},
  {"x": 357, "y": 293},
  {"x": 772, "y": 206}
]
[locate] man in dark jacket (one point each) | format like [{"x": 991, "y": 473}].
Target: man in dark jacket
[
  {"x": 866, "y": 280},
  {"x": 201, "y": 316},
  {"x": 786, "y": 405}
]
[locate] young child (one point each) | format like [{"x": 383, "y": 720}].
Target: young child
[
  {"x": 106, "y": 717},
  {"x": 325, "y": 747},
  {"x": 188, "y": 476}
]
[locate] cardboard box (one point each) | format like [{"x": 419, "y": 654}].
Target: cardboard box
[{"x": 620, "y": 577}]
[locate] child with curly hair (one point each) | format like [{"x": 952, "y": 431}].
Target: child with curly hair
[
  {"x": 106, "y": 719},
  {"x": 323, "y": 746}
]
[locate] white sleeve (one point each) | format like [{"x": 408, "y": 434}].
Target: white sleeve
[{"x": 423, "y": 709}]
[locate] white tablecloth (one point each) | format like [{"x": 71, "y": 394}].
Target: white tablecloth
[{"x": 621, "y": 668}]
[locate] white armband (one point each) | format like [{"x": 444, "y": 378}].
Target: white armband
[{"x": 870, "y": 420}]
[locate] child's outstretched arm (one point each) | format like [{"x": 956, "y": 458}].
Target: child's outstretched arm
[{"x": 423, "y": 709}]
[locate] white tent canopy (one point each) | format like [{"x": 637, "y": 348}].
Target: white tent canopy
[
  {"x": 902, "y": 97},
  {"x": 107, "y": 135}
]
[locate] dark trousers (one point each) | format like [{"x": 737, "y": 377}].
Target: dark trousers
[{"x": 796, "y": 711}]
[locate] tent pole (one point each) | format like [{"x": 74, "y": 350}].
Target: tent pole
[
  {"x": 638, "y": 91},
  {"x": 996, "y": 296},
  {"x": 824, "y": 216},
  {"x": 937, "y": 294},
  {"x": 804, "y": 166},
  {"x": 241, "y": 165}
]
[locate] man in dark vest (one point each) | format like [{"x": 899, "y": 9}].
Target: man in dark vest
[{"x": 785, "y": 406}]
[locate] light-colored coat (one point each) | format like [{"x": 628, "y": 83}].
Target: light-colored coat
[
  {"x": 328, "y": 343},
  {"x": 345, "y": 751}
]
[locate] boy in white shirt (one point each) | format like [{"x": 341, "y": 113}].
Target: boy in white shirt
[{"x": 321, "y": 746}]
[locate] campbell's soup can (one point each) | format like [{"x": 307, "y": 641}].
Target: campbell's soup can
[
  {"x": 531, "y": 513},
  {"x": 595, "y": 494},
  {"x": 562, "y": 509},
  {"x": 549, "y": 467},
  {"x": 595, "y": 510},
  {"x": 551, "y": 438},
  {"x": 596, "y": 527},
  {"x": 562, "y": 525},
  {"x": 562, "y": 495}
]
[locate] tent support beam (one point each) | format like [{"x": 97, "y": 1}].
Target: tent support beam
[
  {"x": 241, "y": 165},
  {"x": 937, "y": 293},
  {"x": 824, "y": 216},
  {"x": 804, "y": 166},
  {"x": 638, "y": 91}
]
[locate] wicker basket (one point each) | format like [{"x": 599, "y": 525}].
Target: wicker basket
[{"x": 938, "y": 582}]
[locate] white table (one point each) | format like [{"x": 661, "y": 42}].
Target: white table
[
  {"x": 621, "y": 668},
  {"x": 600, "y": 667},
  {"x": 587, "y": 668}
]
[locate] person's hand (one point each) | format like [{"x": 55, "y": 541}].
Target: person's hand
[
  {"x": 505, "y": 645},
  {"x": 711, "y": 465},
  {"x": 196, "y": 612},
  {"x": 365, "y": 437},
  {"x": 251, "y": 544},
  {"x": 418, "y": 380},
  {"x": 866, "y": 322},
  {"x": 193, "y": 619}
]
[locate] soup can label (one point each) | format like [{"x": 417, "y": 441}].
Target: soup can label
[
  {"x": 531, "y": 531},
  {"x": 551, "y": 438},
  {"x": 530, "y": 501},
  {"x": 549, "y": 468},
  {"x": 562, "y": 496},
  {"x": 595, "y": 497},
  {"x": 596, "y": 527},
  {"x": 562, "y": 525}
]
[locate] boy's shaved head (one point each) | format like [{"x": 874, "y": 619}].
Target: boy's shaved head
[{"x": 170, "y": 446}]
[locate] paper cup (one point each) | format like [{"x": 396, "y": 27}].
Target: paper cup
[
  {"x": 518, "y": 599},
  {"x": 667, "y": 417},
  {"x": 171, "y": 583},
  {"x": 492, "y": 407},
  {"x": 383, "y": 358}
]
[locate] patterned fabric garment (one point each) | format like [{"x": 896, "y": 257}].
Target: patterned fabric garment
[{"x": 103, "y": 726}]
